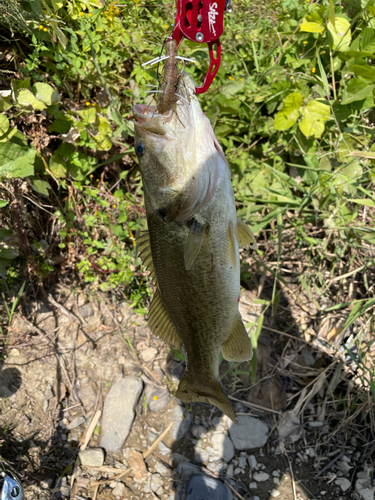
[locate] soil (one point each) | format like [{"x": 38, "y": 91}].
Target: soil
[{"x": 63, "y": 353}]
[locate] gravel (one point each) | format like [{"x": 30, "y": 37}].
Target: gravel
[
  {"x": 148, "y": 354},
  {"x": 157, "y": 398},
  {"x": 118, "y": 414},
  {"x": 261, "y": 476}
]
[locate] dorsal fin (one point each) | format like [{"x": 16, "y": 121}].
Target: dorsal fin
[
  {"x": 245, "y": 236},
  {"x": 160, "y": 322},
  {"x": 144, "y": 248}
]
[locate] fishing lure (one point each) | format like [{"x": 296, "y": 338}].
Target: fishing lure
[{"x": 170, "y": 80}]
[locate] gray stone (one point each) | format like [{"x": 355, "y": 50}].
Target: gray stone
[
  {"x": 118, "y": 413},
  {"x": 199, "y": 431},
  {"x": 156, "y": 482},
  {"x": 261, "y": 476},
  {"x": 119, "y": 490},
  {"x": 252, "y": 461},
  {"x": 86, "y": 311},
  {"x": 76, "y": 423},
  {"x": 249, "y": 433},
  {"x": 230, "y": 470},
  {"x": 162, "y": 469},
  {"x": 242, "y": 462},
  {"x": 200, "y": 454},
  {"x": 92, "y": 457},
  {"x": 182, "y": 421},
  {"x": 253, "y": 486},
  {"x": 238, "y": 470},
  {"x": 219, "y": 466},
  {"x": 275, "y": 493},
  {"x": 157, "y": 398},
  {"x": 164, "y": 449},
  {"x": 224, "y": 446},
  {"x": 149, "y": 354},
  {"x": 363, "y": 486}
]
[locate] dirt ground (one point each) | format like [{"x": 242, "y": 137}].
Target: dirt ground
[{"x": 62, "y": 355}]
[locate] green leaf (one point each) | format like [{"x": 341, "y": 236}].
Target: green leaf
[
  {"x": 313, "y": 23},
  {"x": 57, "y": 165},
  {"x": 3, "y": 203},
  {"x": 88, "y": 115},
  {"x": 331, "y": 12},
  {"x": 26, "y": 98},
  {"x": 60, "y": 125},
  {"x": 367, "y": 40},
  {"x": 103, "y": 138},
  {"x": 39, "y": 185},
  {"x": 356, "y": 90},
  {"x": 340, "y": 33},
  {"x": 288, "y": 116},
  {"x": 16, "y": 161},
  {"x": 363, "y": 71},
  {"x": 4, "y": 124},
  {"x": 363, "y": 201},
  {"x": 314, "y": 116},
  {"x": 45, "y": 93}
]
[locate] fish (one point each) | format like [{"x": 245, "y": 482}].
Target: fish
[{"x": 191, "y": 247}]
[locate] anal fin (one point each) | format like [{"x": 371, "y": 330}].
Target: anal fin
[
  {"x": 160, "y": 322},
  {"x": 245, "y": 236},
  {"x": 193, "y": 243},
  {"x": 144, "y": 248},
  {"x": 238, "y": 346}
]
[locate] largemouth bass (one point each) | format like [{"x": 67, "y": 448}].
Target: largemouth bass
[{"x": 192, "y": 244}]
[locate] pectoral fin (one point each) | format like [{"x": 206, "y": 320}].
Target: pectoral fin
[
  {"x": 245, "y": 236},
  {"x": 193, "y": 243},
  {"x": 238, "y": 346},
  {"x": 160, "y": 322},
  {"x": 144, "y": 248}
]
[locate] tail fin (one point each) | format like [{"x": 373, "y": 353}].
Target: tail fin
[{"x": 211, "y": 392}]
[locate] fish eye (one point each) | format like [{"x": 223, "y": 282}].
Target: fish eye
[
  {"x": 15, "y": 492},
  {"x": 140, "y": 149}
]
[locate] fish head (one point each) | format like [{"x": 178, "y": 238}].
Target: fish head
[{"x": 180, "y": 159}]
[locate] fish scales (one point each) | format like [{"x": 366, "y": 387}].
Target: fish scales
[{"x": 194, "y": 237}]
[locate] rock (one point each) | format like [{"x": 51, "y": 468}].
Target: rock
[
  {"x": 119, "y": 490},
  {"x": 86, "y": 311},
  {"x": 157, "y": 398},
  {"x": 92, "y": 457},
  {"x": 242, "y": 462},
  {"x": 343, "y": 483},
  {"x": 199, "y": 431},
  {"x": 149, "y": 354},
  {"x": 253, "y": 486},
  {"x": 118, "y": 413},
  {"x": 363, "y": 486},
  {"x": 219, "y": 466},
  {"x": 238, "y": 470},
  {"x": 230, "y": 470},
  {"x": 76, "y": 423},
  {"x": 224, "y": 446},
  {"x": 162, "y": 469},
  {"x": 164, "y": 449},
  {"x": 200, "y": 454},
  {"x": 261, "y": 476},
  {"x": 252, "y": 461},
  {"x": 275, "y": 493},
  {"x": 156, "y": 482},
  {"x": 249, "y": 433},
  {"x": 182, "y": 420},
  {"x": 137, "y": 465}
]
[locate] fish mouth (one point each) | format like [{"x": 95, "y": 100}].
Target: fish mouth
[{"x": 149, "y": 120}]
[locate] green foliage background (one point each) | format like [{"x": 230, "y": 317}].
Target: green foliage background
[{"x": 292, "y": 105}]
